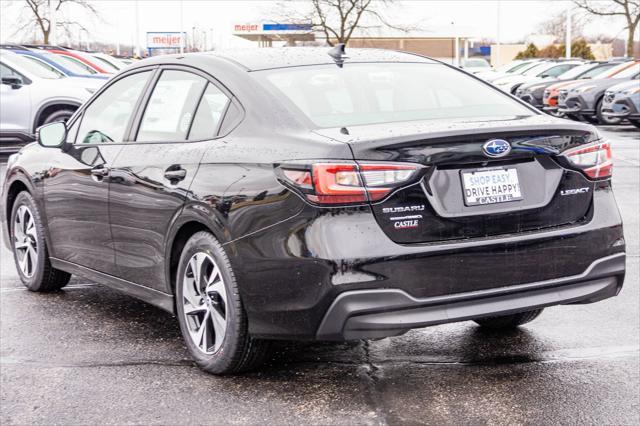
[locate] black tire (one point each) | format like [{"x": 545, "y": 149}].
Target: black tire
[
  {"x": 635, "y": 123},
  {"x": 508, "y": 321},
  {"x": 238, "y": 351},
  {"x": 43, "y": 277},
  {"x": 59, "y": 115},
  {"x": 602, "y": 119}
]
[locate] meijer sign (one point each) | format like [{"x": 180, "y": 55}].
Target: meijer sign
[{"x": 170, "y": 40}]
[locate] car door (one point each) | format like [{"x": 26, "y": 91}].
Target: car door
[
  {"x": 76, "y": 185},
  {"x": 15, "y": 102},
  {"x": 152, "y": 175}
]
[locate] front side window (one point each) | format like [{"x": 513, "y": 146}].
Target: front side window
[
  {"x": 44, "y": 65},
  {"x": 5, "y": 71},
  {"x": 377, "y": 93},
  {"x": 171, "y": 107},
  {"x": 106, "y": 119}
]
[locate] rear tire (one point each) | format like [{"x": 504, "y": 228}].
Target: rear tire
[
  {"x": 212, "y": 318},
  {"x": 506, "y": 322},
  {"x": 30, "y": 250}
]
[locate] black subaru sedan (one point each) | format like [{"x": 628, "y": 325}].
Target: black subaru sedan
[{"x": 305, "y": 194}]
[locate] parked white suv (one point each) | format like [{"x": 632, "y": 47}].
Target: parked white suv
[{"x": 32, "y": 94}]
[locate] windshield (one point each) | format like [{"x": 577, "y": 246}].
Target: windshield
[
  {"x": 575, "y": 72},
  {"x": 614, "y": 71},
  {"x": 106, "y": 64},
  {"x": 537, "y": 69},
  {"x": 628, "y": 72},
  {"x": 72, "y": 64},
  {"x": 44, "y": 64},
  {"x": 597, "y": 71},
  {"x": 377, "y": 93},
  {"x": 481, "y": 63}
]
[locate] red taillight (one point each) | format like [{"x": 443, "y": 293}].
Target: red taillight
[
  {"x": 594, "y": 160},
  {"x": 348, "y": 182}
]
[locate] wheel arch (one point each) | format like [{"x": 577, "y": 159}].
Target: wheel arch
[
  {"x": 183, "y": 227},
  {"x": 15, "y": 187},
  {"x": 51, "y": 106}
]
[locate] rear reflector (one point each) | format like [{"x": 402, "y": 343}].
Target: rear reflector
[
  {"x": 348, "y": 182},
  {"x": 594, "y": 160}
]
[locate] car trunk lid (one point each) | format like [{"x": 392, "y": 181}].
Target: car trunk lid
[{"x": 464, "y": 193}]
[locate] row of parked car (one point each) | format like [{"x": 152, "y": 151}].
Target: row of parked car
[
  {"x": 599, "y": 92},
  {"x": 43, "y": 84}
]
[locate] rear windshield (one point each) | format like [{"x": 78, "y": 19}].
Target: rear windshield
[{"x": 378, "y": 93}]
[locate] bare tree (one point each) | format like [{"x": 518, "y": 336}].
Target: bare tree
[
  {"x": 556, "y": 25},
  {"x": 630, "y": 9},
  {"x": 41, "y": 11},
  {"x": 338, "y": 19}
]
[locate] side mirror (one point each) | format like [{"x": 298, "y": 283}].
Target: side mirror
[
  {"x": 14, "y": 81},
  {"x": 52, "y": 135}
]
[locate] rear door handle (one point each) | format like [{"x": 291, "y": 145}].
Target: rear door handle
[
  {"x": 175, "y": 174},
  {"x": 100, "y": 171}
]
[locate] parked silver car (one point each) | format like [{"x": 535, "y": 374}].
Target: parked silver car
[{"x": 32, "y": 94}]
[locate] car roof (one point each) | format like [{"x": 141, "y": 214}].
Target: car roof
[{"x": 268, "y": 58}]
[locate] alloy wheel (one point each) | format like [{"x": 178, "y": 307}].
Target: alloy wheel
[
  {"x": 204, "y": 302},
  {"x": 25, "y": 241}
]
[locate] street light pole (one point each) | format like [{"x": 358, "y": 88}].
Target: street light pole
[
  {"x": 182, "y": 37},
  {"x": 567, "y": 41},
  {"x": 498, "y": 63},
  {"x": 137, "y": 17}
]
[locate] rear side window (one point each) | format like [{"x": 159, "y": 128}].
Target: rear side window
[
  {"x": 209, "y": 113},
  {"x": 106, "y": 119},
  {"x": 378, "y": 93},
  {"x": 171, "y": 107}
]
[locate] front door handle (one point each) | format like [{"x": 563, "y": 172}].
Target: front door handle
[
  {"x": 175, "y": 174},
  {"x": 100, "y": 171}
]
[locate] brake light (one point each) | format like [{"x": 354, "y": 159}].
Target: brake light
[
  {"x": 348, "y": 182},
  {"x": 594, "y": 160}
]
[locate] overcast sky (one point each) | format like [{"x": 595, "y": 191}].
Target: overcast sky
[{"x": 478, "y": 18}]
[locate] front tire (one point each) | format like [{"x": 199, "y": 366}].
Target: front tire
[
  {"x": 212, "y": 318},
  {"x": 603, "y": 119},
  {"x": 505, "y": 322},
  {"x": 30, "y": 250}
]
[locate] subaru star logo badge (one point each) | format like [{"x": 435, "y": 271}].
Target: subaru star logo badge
[{"x": 496, "y": 148}]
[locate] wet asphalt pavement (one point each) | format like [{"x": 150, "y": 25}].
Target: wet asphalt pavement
[{"x": 88, "y": 355}]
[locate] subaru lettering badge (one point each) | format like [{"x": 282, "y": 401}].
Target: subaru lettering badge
[{"x": 496, "y": 148}]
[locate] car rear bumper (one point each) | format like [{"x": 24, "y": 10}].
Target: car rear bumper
[
  {"x": 292, "y": 273},
  {"x": 367, "y": 314}
]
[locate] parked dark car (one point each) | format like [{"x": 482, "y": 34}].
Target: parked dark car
[
  {"x": 292, "y": 194},
  {"x": 585, "y": 100}
]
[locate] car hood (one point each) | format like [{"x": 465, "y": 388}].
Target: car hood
[
  {"x": 538, "y": 81},
  {"x": 620, "y": 87},
  {"x": 81, "y": 82},
  {"x": 566, "y": 84},
  {"x": 600, "y": 84}
]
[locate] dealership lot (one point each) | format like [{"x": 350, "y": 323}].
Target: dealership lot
[{"x": 88, "y": 354}]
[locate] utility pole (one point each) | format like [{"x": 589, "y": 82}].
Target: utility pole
[
  {"x": 567, "y": 41},
  {"x": 137, "y": 18},
  {"x": 498, "y": 62},
  {"x": 53, "y": 23},
  {"x": 182, "y": 37}
]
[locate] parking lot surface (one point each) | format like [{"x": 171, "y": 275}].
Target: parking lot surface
[{"x": 88, "y": 354}]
